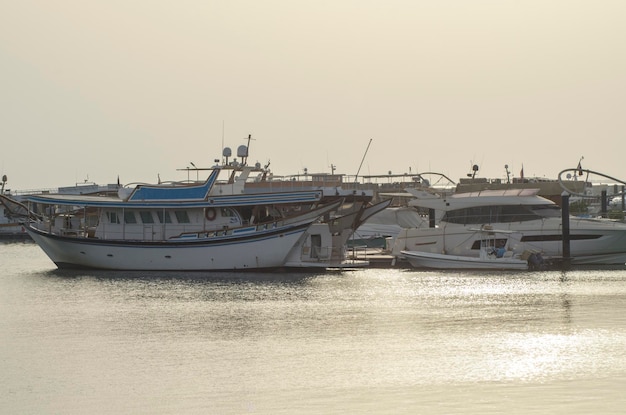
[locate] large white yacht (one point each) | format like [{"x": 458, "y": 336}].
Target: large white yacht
[{"x": 457, "y": 219}]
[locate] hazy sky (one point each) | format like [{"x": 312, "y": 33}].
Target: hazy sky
[{"x": 137, "y": 88}]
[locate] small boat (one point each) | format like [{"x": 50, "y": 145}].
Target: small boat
[
  {"x": 444, "y": 261},
  {"x": 11, "y": 215},
  {"x": 10, "y": 228},
  {"x": 494, "y": 253}
]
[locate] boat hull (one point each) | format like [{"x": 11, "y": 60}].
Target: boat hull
[
  {"x": 258, "y": 251},
  {"x": 440, "y": 261}
]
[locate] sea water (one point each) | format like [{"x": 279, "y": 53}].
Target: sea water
[{"x": 380, "y": 341}]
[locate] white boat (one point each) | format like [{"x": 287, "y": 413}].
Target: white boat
[
  {"x": 211, "y": 225},
  {"x": 10, "y": 218},
  {"x": 494, "y": 253},
  {"x": 10, "y": 227},
  {"x": 444, "y": 261},
  {"x": 169, "y": 228},
  {"x": 538, "y": 220}
]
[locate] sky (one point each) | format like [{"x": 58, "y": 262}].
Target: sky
[{"x": 136, "y": 89}]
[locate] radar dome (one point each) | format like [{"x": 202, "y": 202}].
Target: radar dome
[{"x": 242, "y": 151}]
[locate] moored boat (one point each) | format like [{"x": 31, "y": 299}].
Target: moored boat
[
  {"x": 214, "y": 224},
  {"x": 11, "y": 215},
  {"x": 172, "y": 228},
  {"x": 444, "y": 261},
  {"x": 538, "y": 220},
  {"x": 494, "y": 253}
]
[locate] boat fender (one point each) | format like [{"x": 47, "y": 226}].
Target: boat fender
[{"x": 210, "y": 214}]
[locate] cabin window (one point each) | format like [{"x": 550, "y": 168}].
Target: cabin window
[
  {"x": 182, "y": 216},
  {"x": 129, "y": 217},
  {"x": 516, "y": 214},
  {"x": 488, "y": 242},
  {"x": 113, "y": 217},
  {"x": 498, "y": 214},
  {"x": 474, "y": 215},
  {"x": 168, "y": 219},
  {"x": 146, "y": 216}
]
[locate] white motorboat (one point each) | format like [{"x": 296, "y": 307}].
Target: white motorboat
[
  {"x": 444, "y": 261},
  {"x": 494, "y": 253},
  {"x": 538, "y": 220}
]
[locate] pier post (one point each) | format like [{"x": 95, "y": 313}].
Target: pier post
[
  {"x": 565, "y": 229},
  {"x": 603, "y": 203}
]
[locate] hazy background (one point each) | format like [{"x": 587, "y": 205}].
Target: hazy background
[{"x": 96, "y": 89}]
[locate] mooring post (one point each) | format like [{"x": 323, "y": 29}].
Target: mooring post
[
  {"x": 603, "y": 203},
  {"x": 565, "y": 229}
]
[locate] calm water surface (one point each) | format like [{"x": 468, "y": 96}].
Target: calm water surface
[{"x": 368, "y": 341}]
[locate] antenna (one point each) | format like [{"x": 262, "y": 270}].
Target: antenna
[
  {"x": 244, "y": 151},
  {"x": 195, "y": 168},
  {"x": 475, "y": 170},
  {"x": 359, "y": 170},
  {"x": 223, "y": 138}
]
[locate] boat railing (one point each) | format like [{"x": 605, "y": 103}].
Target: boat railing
[
  {"x": 333, "y": 255},
  {"x": 65, "y": 225},
  {"x": 358, "y": 252},
  {"x": 227, "y": 231}
]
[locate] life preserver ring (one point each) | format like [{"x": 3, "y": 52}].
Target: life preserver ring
[{"x": 210, "y": 214}]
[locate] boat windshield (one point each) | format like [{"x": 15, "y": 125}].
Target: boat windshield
[{"x": 500, "y": 214}]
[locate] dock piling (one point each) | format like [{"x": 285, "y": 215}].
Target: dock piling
[{"x": 565, "y": 229}]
